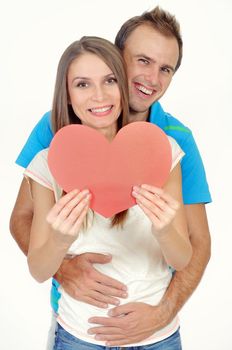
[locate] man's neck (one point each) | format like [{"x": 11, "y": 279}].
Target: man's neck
[{"x": 138, "y": 116}]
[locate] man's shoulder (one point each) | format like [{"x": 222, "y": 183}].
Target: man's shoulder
[
  {"x": 45, "y": 120},
  {"x": 43, "y": 128},
  {"x": 194, "y": 183},
  {"x": 169, "y": 124},
  {"x": 39, "y": 138}
]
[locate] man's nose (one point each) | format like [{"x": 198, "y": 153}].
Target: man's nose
[{"x": 153, "y": 76}]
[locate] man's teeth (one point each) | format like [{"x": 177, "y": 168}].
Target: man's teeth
[
  {"x": 100, "y": 110},
  {"x": 144, "y": 90}
]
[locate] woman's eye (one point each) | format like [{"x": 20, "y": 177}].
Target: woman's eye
[
  {"x": 111, "y": 81},
  {"x": 82, "y": 84}
]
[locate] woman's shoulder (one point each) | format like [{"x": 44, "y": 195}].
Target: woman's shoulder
[
  {"x": 39, "y": 166},
  {"x": 40, "y": 159},
  {"x": 177, "y": 152}
]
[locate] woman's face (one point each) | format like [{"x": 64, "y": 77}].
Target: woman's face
[{"x": 94, "y": 93}]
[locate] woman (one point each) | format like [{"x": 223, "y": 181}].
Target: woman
[{"x": 91, "y": 88}]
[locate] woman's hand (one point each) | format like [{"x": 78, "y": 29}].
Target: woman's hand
[
  {"x": 67, "y": 215},
  {"x": 158, "y": 205},
  {"x": 164, "y": 207}
]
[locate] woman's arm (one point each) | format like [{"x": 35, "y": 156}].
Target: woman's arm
[
  {"x": 165, "y": 209},
  {"x": 54, "y": 228}
]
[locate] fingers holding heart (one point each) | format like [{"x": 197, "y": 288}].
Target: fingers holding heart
[
  {"x": 158, "y": 205},
  {"x": 68, "y": 213},
  {"x": 71, "y": 162}
]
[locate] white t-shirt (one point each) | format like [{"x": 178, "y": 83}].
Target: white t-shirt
[{"x": 137, "y": 259}]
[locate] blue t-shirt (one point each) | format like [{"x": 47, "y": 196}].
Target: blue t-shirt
[{"x": 194, "y": 184}]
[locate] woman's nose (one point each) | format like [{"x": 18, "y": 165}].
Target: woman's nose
[{"x": 98, "y": 94}]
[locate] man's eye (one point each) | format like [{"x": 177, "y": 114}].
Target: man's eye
[
  {"x": 143, "y": 61},
  {"x": 166, "y": 70}
]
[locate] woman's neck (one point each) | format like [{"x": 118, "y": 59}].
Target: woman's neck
[{"x": 109, "y": 132}]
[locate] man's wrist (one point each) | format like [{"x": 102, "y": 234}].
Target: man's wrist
[
  {"x": 58, "y": 275},
  {"x": 166, "y": 311}
]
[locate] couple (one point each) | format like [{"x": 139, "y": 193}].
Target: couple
[{"x": 152, "y": 48}]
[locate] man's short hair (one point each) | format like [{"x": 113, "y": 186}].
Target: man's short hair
[{"x": 162, "y": 21}]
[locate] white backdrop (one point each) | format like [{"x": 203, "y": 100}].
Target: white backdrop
[{"x": 33, "y": 36}]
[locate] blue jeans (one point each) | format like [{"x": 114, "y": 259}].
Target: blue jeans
[
  {"x": 52, "y": 332},
  {"x": 66, "y": 341}
]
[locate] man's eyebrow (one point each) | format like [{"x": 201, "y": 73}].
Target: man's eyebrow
[
  {"x": 145, "y": 57},
  {"x": 153, "y": 61}
]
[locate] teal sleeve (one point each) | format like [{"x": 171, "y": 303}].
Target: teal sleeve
[
  {"x": 39, "y": 139},
  {"x": 194, "y": 183}
]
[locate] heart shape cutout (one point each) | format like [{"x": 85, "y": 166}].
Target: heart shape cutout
[{"x": 81, "y": 157}]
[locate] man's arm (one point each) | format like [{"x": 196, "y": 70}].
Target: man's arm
[
  {"x": 134, "y": 322},
  {"x": 78, "y": 276},
  {"x": 184, "y": 283},
  {"x": 21, "y": 217}
]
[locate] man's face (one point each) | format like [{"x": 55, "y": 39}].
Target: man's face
[{"x": 151, "y": 59}]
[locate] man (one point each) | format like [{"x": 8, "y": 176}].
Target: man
[{"x": 151, "y": 45}]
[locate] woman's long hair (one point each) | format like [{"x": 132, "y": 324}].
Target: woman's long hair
[{"x": 62, "y": 111}]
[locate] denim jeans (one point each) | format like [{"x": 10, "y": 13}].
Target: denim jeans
[
  {"x": 66, "y": 341},
  {"x": 52, "y": 332}
]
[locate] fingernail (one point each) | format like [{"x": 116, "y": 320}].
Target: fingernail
[
  {"x": 85, "y": 192},
  {"x": 110, "y": 313},
  {"x": 86, "y": 199},
  {"x": 136, "y": 188},
  {"x": 124, "y": 295},
  {"x": 135, "y": 194}
]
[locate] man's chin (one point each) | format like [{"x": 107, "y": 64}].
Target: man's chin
[
  {"x": 142, "y": 106},
  {"x": 139, "y": 108}
]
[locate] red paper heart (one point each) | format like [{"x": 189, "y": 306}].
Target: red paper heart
[{"x": 81, "y": 157}]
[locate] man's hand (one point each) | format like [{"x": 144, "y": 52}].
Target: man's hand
[
  {"x": 83, "y": 282},
  {"x": 129, "y": 323},
  {"x": 138, "y": 321}
]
